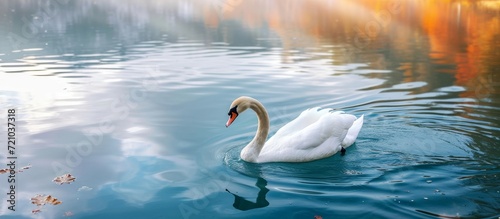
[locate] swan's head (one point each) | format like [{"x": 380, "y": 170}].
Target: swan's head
[{"x": 238, "y": 106}]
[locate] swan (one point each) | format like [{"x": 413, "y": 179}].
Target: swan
[{"x": 316, "y": 133}]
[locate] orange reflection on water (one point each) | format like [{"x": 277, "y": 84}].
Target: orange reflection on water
[
  {"x": 421, "y": 37},
  {"x": 465, "y": 33}
]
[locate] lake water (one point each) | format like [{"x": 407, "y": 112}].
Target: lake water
[{"x": 131, "y": 98}]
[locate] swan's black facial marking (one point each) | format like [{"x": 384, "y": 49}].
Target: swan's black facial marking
[
  {"x": 233, "y": 110},
  {"x": 232, "y": 116}
]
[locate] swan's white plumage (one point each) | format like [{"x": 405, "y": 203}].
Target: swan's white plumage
[{"x": 316, "y": 133}]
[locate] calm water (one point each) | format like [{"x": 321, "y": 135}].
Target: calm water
[{"x": 131, "y": 98}]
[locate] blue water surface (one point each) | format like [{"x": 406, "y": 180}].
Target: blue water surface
[{"x": 131, "y": 98}]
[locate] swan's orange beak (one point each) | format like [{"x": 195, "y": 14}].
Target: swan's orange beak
[{"x": 231, "y": 119}]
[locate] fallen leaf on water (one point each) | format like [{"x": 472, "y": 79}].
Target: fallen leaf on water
[
  {"x": 51, "y": 200},
  {"x": 36, "y": 211},
  {"x": 66, "y": 178},
  {"x": 24, "y": 168},
  {"x": 40, "y": 200},
  {"x": 317, "y": 217},
  {"x": 2, "y": 171}
]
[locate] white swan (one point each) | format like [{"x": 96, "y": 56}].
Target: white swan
[{"x": 316, "y": 133}]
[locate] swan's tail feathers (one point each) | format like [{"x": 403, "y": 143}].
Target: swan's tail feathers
[{"x": 353, "y": 132}]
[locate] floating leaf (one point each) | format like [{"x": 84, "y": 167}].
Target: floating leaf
[
  {"x": 40, "y": 200},
  {"x": 51, "y": 200},
  {"x": 66, "y": 178},
  {"x": 2, "y": 171},
  {"x": 317, "y": 217},
  {"x": 24, "y": 168},
  {"x": 36, "y": 211}
]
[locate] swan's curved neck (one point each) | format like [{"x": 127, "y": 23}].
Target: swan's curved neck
[{"x": 252, "y": 150}]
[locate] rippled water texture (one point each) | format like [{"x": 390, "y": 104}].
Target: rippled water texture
[{"x": 131, "y": 98}]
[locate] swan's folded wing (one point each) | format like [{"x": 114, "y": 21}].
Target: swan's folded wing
[
  {"x": 333, "y": 126},
  {"x": 297, "y": 146},
  {"x": 342, "y": 124},
  {"x": 306, "y": 118}
]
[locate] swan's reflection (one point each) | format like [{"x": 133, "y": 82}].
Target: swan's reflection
[{"x": 243, "y": 204}]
